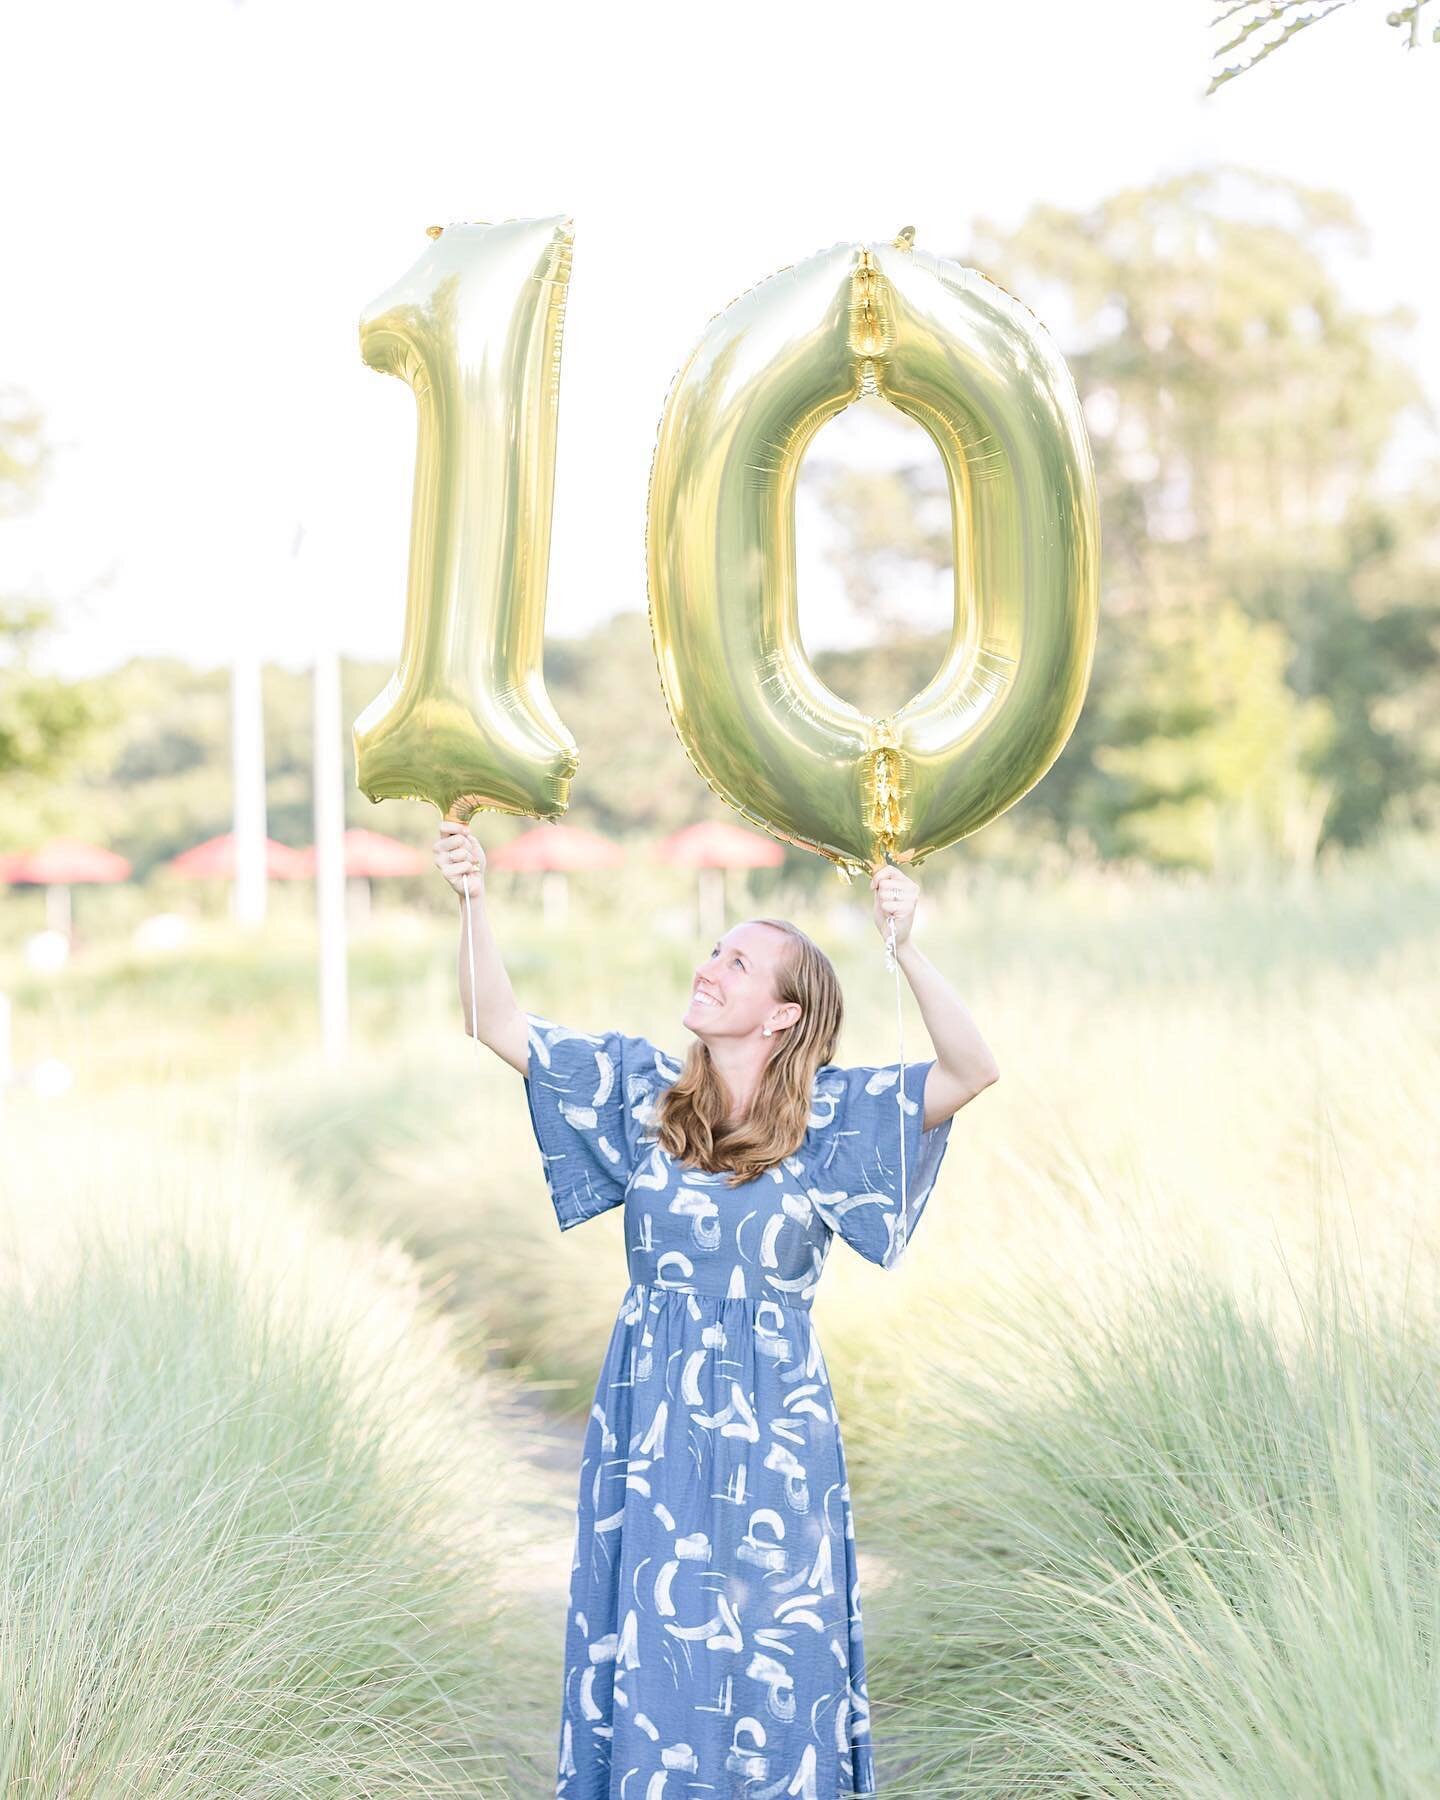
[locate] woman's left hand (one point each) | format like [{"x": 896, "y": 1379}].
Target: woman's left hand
[{"x": 896, "y": 896}]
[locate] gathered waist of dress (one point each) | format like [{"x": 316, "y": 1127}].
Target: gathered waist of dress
[{"x": 679, "y": 1290}]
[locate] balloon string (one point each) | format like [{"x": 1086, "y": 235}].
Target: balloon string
[
  {"x": 474, "y": 998},
  {"x": 894, "y": 966}
]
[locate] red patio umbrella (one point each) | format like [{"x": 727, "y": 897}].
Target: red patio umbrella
[
  {"x": 717, "y": 844},
  {"x": 552, "y": 850},
  {"x": 56, "y": 866},
  {"x": 713, "y": 846},
  {"x": 215, "y": 859},
  {"x": 556, "y": 847},
  {"x": 369, "y": 854}
]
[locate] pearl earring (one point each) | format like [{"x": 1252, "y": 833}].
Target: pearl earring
[{"x": 767, "y": 1031}]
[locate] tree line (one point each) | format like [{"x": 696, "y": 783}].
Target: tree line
[{"x": 1267, "y": 675}]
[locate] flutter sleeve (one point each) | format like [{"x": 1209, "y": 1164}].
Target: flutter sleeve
[
  {"x": 857, "y": 1116},
  {"x": 590, "y": 1094}
]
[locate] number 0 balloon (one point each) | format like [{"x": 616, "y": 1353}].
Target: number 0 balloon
[
  {"x": 474, "y": 328},
  {"x": 980, "y": 372}
]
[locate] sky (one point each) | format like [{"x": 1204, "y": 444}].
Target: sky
[{"x": 203, "y": 195}]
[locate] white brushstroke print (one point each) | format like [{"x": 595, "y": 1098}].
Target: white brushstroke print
[{"x": 713, "y": 1642}]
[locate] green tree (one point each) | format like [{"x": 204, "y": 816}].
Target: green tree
[
  {"x": 1261, "y": 27},
  {"x": 1240, "y": 411},
  {"x": 154, "y": 774},
  {"x": 42, "y": 718},
  {"x": 1211, "y": 760}
]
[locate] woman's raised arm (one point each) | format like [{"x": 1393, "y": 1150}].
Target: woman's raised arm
[{"x": 490, "y": 1010}]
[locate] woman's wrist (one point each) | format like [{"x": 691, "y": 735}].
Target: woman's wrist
[{"x": 909, "y": 952}]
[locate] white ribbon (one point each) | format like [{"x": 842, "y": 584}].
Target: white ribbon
[
  {"x": 893, "y": 965},
  {"x": 470, "y": 940}
]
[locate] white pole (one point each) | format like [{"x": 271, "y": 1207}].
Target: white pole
[
  {"x": 57, "y": 908},
  {"x": 330, "y": 853},
  {"x": 247, "y": 753},
  {"x": 553, "y": 898}
]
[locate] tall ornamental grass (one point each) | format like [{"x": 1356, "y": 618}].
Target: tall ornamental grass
[
  {"x": 1181, "y": 1543},
  {"x": 248, "y": 1519},
  {"x": 1198, "y": 1081},
  {"x": 1217, "y": 1069}
]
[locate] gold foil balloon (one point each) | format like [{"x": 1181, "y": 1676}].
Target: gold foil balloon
[
  {"x": 980, "y": 372},
  {"x": 475, "y": 328}
]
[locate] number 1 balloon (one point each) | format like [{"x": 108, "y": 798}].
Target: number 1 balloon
[
  {"x": 980, "y": 372},
  {"x": 475, "y": 328}
]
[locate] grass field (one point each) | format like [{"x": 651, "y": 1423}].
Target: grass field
[{"x": 1144, "y": 1426}]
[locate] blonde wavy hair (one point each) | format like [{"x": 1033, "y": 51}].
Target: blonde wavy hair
[{"x": 692, "y": 1111}]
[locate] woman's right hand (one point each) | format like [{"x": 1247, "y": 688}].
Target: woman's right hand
[{"x": 458, "y": 853}]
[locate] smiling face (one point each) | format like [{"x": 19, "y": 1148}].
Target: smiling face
[{"x": 734, "y": 989}]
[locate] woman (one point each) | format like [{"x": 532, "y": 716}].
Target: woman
[{"x": 713, "y": 1643}]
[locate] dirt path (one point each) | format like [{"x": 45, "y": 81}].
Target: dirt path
[
  {"x": 550, "y": 1448},
  {"x": 542, "y": 1462},
  {"x": 545, "y": 1454}
]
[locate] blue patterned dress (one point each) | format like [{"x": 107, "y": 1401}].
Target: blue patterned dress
[{"x": 713, "y": 1645}]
